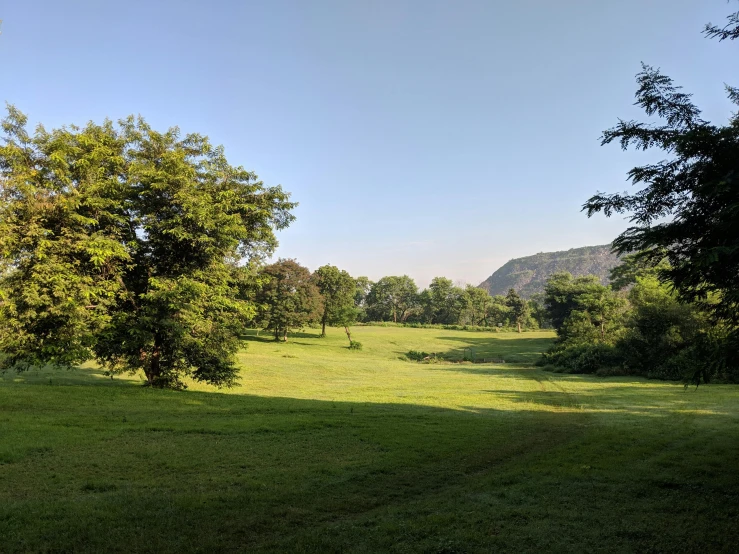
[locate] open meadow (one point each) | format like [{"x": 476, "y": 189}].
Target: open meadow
[{"x": 325, "y": 449}]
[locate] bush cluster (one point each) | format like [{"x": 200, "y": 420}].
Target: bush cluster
[{"x": 647, "y": 332}]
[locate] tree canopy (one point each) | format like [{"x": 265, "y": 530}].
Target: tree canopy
[
  {"x": 338, "y": 290},
  {"x": 288, "y": 298},
  {"x": 686, "y": 210},
  {"x": 392, "y": 297},
  {"x": 518, "y": 306},
  {"x": 122, "y": 244}
]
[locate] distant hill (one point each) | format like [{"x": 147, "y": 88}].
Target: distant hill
[{"x": 528, "y": 275}]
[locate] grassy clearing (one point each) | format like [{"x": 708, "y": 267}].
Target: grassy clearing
[{"x": 323, "y": 449}]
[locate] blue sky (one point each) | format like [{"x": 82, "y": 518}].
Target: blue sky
[{"x": 419, "y": 137}]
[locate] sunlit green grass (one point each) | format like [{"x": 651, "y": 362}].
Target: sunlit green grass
[{"x": 323, "y": 449}]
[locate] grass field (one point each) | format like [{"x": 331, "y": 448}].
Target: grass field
[{"x": 323, "y": 449}]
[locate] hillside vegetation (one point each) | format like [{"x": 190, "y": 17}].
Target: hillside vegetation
[
  {"x": 324, "y": 449},
  {"x": 528, "y": 275}
]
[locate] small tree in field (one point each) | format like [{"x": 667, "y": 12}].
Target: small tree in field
[
  {"x": 120, "y": 243},
  {"x": 289, "y": 299},
  {"x": 519, "y": 308},
  {"x": 337, "y": 289}
]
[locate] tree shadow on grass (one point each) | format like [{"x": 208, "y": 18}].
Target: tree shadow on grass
[
  {"x": 222, "y": 472},
  {"x": 87, "y": 375},
  {"x": 213, "y": 471},
  {"x": 489, "y": 355},
  {"x": 511, "y": 371},
  {"x": 637, "y": 402},
  {"x": 266, "y": 336},
  {"x": 521, "y": 349}
]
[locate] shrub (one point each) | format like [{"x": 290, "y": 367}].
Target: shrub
[
  {"x": 416, "y": 355},
  {"x": 355, "y": 345},
  {"x": 583, "y": 357},
  {"x": 593, "y": 357}
]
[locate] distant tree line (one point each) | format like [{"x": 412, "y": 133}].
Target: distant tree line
[
  {"x": 399, "y": 300},
  {"x": 291, "y": 297}
]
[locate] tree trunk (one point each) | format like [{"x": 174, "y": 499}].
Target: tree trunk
[
  {"x": 602, "y": 330},
  {"x": 154, "y": 366},
  {"x": 277, "y": 334},
  {"x": 323, "y": 325},
  {"x": 144, "y": 358},
  {"x": 285, "y": 338},
  {"x": 395, "y": 316},
  {"x": 348, "y": 334},
  {"x": 519, "y": 326}
]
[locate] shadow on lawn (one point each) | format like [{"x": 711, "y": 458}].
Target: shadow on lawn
[
  {"x": 639, "y": 402},
  {"x": 514, "y": 350},
  {"x": 267, "y": 336},
  {"x": 221, "y": 472},
  {"x": 70, "y": 376},
  {"x": 477, "y": 350}
]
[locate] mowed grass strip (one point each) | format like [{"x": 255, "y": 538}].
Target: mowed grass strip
[{"x": 323, "y": 449}]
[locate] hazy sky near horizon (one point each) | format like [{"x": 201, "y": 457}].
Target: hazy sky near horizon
[{"x": 419, "y": 137}]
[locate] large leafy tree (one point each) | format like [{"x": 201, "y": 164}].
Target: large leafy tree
[
  {"x": 392, "y": 297},
  {"x": 123, "y": 244},
  {"x": 562, "y": 293},
  {"x": 445, "y": 302},
  {"x": 582, "y": 308},
  {"x": 603, "y": 306},
  {"x": 498, "y": 313},
  {"x": 687, "y": 209},
  {"x": 288, "y": 298},
  {"x": 477, "y": 303},
  {"x": 338, "y": 289}
]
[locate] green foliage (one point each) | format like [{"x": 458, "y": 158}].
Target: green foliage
[
  {"x": 656, "y": 336},
  {"x": 472, "y": 328},
  {"x": 519, "y": 308},
  {"x": 289, "y": 299},
  {"x": 562, "y": 293},
  {"x": 338, "y": 290},
  {"x": 120, "y": 243},
  {"x": 641, "y": 264},
  {"x": 660, "y": 332},
  {"x": 604, "y": 308},
  {"x": 538, "y": 310},
  {"x": 416, "y": 355},
  {"x": 442, "y": 302},
  {"x": 588, "y": 318},
  {"x": 362, "y": 288},
  {"x": 477, "y": 303},
  {"x": 498, "y": 313},
  {"x": 583, "y": 357},
  {"x": 355, "y": 345},
  {"x": 687, "y": 204},
  {"x": 392, "y": 298}
]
